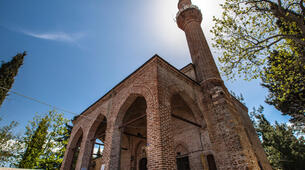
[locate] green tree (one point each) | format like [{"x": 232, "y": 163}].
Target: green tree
[
  {"x": 284, "y": 76},
  {"x": 34, "y": 145},
  {"x": 9, "y": 145},
  {"x": 239, "y": 97},
  {"x": 260, "y": 39},
  {"x": 284, "y": 150},
  {"x": 249, "y": 30},
  {"x": 7, "y": 73},
  {"x": 55, "y": 140}
]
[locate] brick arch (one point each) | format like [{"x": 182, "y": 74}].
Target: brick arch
[
  {"x": 95, "y": 124},
  {"x": 134, "y": 92},
  {"x": 125, "y": 106},
  {"x": 74, "y": 138},
  {"x": 181, "y": 146},
  {"x": 88, "y": 142},
  {"x": 191, "y": 103},
  {"x": 139, "y": 156},
  {"x": 126, "y": 100}
]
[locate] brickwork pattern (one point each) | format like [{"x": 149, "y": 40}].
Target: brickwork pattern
[
  {"x": 158, "y": 82},
  {"x": 224, "y": 127}
]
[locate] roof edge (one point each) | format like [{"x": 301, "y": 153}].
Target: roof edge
[{"x": 156, "y": 56}]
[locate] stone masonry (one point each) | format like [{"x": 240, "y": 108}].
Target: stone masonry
[{"x": 160, "y": 117}]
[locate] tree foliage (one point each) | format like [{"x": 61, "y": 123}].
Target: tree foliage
[
  {"x": 239, "y": 97},
  {"x": 9, "y": 145},
  {"x": 7, "y": 73},
  {"x": 249, "y": 30},
  {"x": 284, "y": 76},
  {"x": 284, "y": 150},
  {"x": 35, "y": 144},
  {"x": 266, "y": 39},
  {"x": 52, "y": 150}
]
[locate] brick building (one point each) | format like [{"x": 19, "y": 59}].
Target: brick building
[{"x": 160, "y": 117}]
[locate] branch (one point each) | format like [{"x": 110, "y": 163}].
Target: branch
[
  {"x": 280, "y": 12},
  {"x": 279, "y": 2},
  {"x": 302, "y": 6},
  {"x": 259, "y": 48},
  {"x": 296, "y": 39}
]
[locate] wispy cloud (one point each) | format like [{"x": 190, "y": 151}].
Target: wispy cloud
[{"x": 56, "y": 36}]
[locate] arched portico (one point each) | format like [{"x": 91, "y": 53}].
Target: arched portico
[
  {"x": 188, "y": 127},
  {"x": 130, "y": 128},
  {"x": 189, "y": 100},
  {"x": 138, "y": 115},
  {"x": 133, "y": 131},
  {"x": 73, "y": 148},
  {"x": 96, "y": 131}
]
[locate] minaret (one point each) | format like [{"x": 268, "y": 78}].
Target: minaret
[
  {"x": 233, "y": 138},
  {"x": 189, "y": 19}
]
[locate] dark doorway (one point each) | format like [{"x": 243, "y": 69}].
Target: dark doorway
[
  {"x": 143, "y": 164},
  {"x": 211, "y": 162},
  {"x": 183, "y": 163}
]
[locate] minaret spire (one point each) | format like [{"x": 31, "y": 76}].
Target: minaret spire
[{"x": 189, "y": 19}]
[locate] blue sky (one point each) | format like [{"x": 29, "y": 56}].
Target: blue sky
[{"x": 78, "y": 50}]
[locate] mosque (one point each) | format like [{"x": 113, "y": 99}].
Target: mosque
[{"x": 161, "y": 117}]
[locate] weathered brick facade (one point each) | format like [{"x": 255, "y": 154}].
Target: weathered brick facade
[{"x": 168, "y": 118}]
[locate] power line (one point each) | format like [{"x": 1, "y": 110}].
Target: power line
[{"x": 43, "y": 103}]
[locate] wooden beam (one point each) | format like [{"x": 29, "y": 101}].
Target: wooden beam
[
  {"x": 132, "y": 121},
  {"x": 100, "y": 135},
  {"x": 96, "y": 137},
  {"x": 185, "y": 120},
  {"x": 138, "y": 136},
  {"x": 96, "y": 143}
]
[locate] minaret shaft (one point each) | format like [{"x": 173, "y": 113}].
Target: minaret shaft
[
  {"x": 202, "y": 58},
  {"x": 189, "y": 19},
  {"x": 233, "y": 137}
]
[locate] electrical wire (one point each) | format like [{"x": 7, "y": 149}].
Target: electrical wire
[{"x": 43, "y": 103}]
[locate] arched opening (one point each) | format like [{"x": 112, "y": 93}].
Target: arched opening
[
  {"x": 141, "y": 156},
  {"x": 76, "y": 150},
  {"x": 186, "y": 129},
  {"x": 143, "y": 164},
  {"x": 73, "y": 149},
  {"x": 182, "y": 158},
  {"x": 211, "y": 162},
  {"x": 133, "y": 131},
  {"x": 98, "y": 139}
]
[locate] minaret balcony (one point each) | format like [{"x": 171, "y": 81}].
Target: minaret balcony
[{"x": 187, "y": 14}]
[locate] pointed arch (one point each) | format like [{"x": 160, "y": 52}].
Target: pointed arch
[
  {"x": 136, "y": 96},
  {"x": 190, "y": 102},
  {"x": 153, "y": 124},
  {"x": 140, "y": 150},
  {"x": 97, "y": 129},
  {"x": 99, "y": 120},
  {"x": 181, "y": 149},
  {"x": 73, "y": 145},
  {"x": 137, "y": 90},
  {"x": 117, "y": 116},
  {"x": 182, "y": 156},
  {"x": 125, "y": 106}
]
